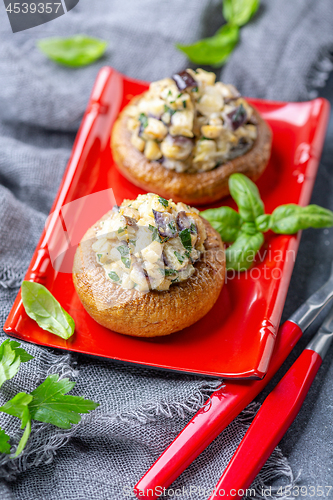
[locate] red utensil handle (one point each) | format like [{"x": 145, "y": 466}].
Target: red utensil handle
[
  {"x": 272, "y": 421},
  {"x": 224, "y": 405}
]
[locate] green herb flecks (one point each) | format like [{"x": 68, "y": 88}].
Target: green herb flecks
[
  {"x": 163, "y": 201},
  {"x": 143, "y": 119},
  {"x": 123, "y": 250},
  {"x": 114, "y": 276},
  {"x": 168, "y": 272},
  {"x": 179, "y": 257},
  {"x": 185, "y": 237},
  {"x": 126, "y": 262},
  {"x": 155, "y": 235}
]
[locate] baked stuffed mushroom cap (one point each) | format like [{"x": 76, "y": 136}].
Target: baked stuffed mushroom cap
[
  {"x": 186, "y": 135},
  {"x": 149, "y": 267}
]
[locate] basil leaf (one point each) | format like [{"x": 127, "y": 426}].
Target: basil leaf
[
  {"x": 240, "y": 255},
  {"x": 262, "y": 222},
  {"x": 225, "y": 220},
  {"x": 239, "y": 12},
  {"x": 246, "y": 195},
  {"x": 185, "y": 237},
  {"x": 249, "y": 228},
  {"x": 41, "y": 306},
  {"x": 288, "y": 219},
  {"x": 214, "y": 50},
  {"x": 78, "y": 50}
]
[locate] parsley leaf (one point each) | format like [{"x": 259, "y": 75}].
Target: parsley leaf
[
  {"x": 18, "y": 406},
  {"x": 121, "y": 229},
  {"x": 41, "y": 306},
  {"x": 4, "y": 445},
  {"x": 185, "y": 237},
  {"x": 50, "y": 403},
  {"x": 11, "y": 356},
  {"x": 163, "y": 201}
]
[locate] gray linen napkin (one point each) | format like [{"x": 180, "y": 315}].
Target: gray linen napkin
[{"x": 41, "y": 105}]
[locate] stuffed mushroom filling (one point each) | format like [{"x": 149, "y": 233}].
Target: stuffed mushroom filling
[
  {"x": 189, "y": 123},
  {"x": 149, "y": 243}
]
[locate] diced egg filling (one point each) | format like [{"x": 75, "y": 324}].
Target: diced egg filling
[
  {"x": 190, "y": 123},
  {"x": 149, "y": 243}
]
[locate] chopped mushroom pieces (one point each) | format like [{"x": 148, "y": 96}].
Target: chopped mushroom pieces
[
  {"x": 150, "y": 243},
  {"x": 190, "y": 123}
]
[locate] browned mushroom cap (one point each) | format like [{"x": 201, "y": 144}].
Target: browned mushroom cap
[
  {"x": 196, "y": 188},
  {"x": 153, "y": 313}
]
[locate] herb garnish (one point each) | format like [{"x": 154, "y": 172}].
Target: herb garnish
[
  {"x": 126, "y": 262},
  {"x": 245, "y": 228},
  {"x": 41, "y": 306},
  {"x": 123, "y": 250},
  {"x": 163, "y": 201},
  {"x": 156, "y": 235},
  {"x": 179, "y": 256},
  {"x": 185, "y": 237},
  {"x": 78, "y": 50},
  {"x": 114, "y": 276},
  {"x": 216, "y": 49},
  {"x": 48, "y": 403},
  {"x": 168, "y": 272},
  {"x": 193, "y": 228},
  {"x": 143, "y": 119},
  {"x": 122, "y": 229}
]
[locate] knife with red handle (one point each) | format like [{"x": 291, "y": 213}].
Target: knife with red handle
[
  {"x": 227, "y": 402},
  {"x": 274, "y": 417}
]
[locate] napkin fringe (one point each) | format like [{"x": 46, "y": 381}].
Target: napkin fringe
[
  {"x": 320, "y": 72},
  {"x": 10, "y": 278}
]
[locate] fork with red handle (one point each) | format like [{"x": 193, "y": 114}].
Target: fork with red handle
[
  {"x": 275, "y": 416},
  {"x": 226, "y": 403}
]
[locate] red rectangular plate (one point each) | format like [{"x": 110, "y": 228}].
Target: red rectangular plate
[{"x": 236, "y": 338}]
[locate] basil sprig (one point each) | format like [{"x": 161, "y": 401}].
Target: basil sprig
[
  {"x": 245, "y": 228},
  {"x": 76, "y": 51},
  {"x": 216, "y": 49},
  {"x": 41, "y": 306}
]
